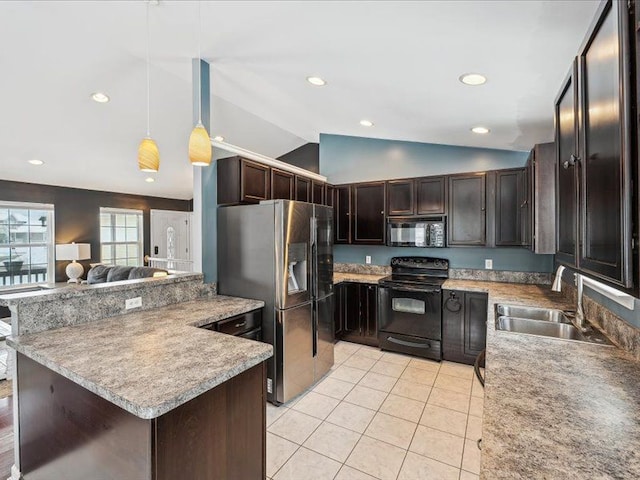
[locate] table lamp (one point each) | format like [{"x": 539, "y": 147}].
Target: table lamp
[{"x": 73, "y": 251}]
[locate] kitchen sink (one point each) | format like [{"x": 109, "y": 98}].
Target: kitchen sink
[
  {"x": 533, "y": 313},
  {"x": 539, "y": 327},
  {"x": 546, "y": 322}
]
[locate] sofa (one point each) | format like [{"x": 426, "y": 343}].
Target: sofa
[{"x": 111, "y": 273}]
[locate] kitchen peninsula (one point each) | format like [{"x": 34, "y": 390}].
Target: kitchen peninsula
[{"x": 143, "y": 395}]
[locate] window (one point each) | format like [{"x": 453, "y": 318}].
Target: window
[
  {"x": 121, "y": 236},
  {"x": 26, "y": 243}
]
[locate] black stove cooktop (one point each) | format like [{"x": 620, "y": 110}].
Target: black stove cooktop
[{"x": 417, "y": 272}]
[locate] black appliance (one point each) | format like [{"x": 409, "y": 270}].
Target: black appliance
[
  {"x": 416, "y": 232},
  {"x": 410, "y": 306}
]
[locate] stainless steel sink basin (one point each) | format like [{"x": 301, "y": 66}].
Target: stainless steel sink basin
[
  {"x": 533, "y": 313},
  {"x": 539, "y": 327},
  {"x": 546, "y": 322}
]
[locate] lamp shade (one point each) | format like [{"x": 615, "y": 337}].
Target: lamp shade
[
  {"x": 73, "y": 251},
  {"x": 148, "y": 155},
  {"x": 199, "y": 147}
]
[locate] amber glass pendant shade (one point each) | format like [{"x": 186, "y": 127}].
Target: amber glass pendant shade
[
  {"x": 148, "y": 155},
  {"x": 199, "y": 147}
]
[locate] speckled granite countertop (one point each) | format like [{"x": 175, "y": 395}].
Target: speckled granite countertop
[
  {"x": 47, "y": 292},
  {"x": 555, "y": 409},
  {"x": 153, "y": 361},
  {"x": 356, "y": 277}
]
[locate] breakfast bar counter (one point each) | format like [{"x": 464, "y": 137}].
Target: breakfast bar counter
[{"x": 143, "y": 395}]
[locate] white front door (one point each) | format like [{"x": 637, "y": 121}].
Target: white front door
[{"x": 171, "y": 239}]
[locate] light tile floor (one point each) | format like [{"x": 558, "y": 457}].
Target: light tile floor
[{"x": 380, "y": 415}]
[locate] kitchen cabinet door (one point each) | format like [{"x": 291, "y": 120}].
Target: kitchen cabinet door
[
  {"x": 509, "y": 200},
  {"x": 368, "y": 213},
  {"x": 464, "y": 325},
  {"x": 303, "y": 189},
  {"x": 605, "y": 133},
  {"x": 542, "y": 198},
  {"x": 317, "y": 192},
  {"x": 255, "y": 181},
  {"x": 242, "y": 181},
  {"x": 400, "y": 197},
  {"x": 475, "y": 324},
  {"x": 282, "y": 184},
  {"x": 339, "y": 310},
  {"x": 567, "y": 182},
  {"x": 526, "y": 209},
  {"x": 431, "y": 196},
  {"x": 369, "y": 312},
  {"x": 329, "y": 195},
  {"x": 467, "y": 209},
  {"x": 342, "y": 213},
  {"x": 351, "y": 320}
]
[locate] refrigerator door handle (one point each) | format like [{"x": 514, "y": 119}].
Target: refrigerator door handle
[
  {"x": 314, "y": 322},
  {"x": 314, "y": 256}
]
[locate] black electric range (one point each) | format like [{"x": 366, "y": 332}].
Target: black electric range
[{"x": 410, "y": 306}]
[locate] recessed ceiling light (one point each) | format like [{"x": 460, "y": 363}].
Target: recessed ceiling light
[
  {"x": 36, "y": 162},
  {"x": 366, "y": 123},
  {"x": 219, "y": 138},
  {"x": 480, "y": 130},
  {"x": 100, "y": 97},
  {"x": 317, "y": 81},
  {"x": 149, "y": 179},
  {"x": 473, "y": 79}
]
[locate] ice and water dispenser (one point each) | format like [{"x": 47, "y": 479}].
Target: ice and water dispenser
[{"x": 297, "y": 268}]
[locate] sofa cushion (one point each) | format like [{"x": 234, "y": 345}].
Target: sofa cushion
[
  {"x": 98, "y": 274},
  {"x": 118, "y": 272},
  {"x": 144, "y": 272}
]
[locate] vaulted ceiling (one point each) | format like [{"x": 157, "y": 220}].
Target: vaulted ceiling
[{"x": 395, "y": 63}]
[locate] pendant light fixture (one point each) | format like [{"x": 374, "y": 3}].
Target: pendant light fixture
[
  {"x": 199, "y": 142},
  {"x": 148, "y": 154}
]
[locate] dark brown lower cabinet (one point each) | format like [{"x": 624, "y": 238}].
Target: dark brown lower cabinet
[
  {"x": 69, "y": 432},
  {"x": 464, "y": 325},
  {"x": 356, "y": 315}
]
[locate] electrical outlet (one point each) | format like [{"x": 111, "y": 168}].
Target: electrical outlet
[
  {"x": 488, "y": 264},
  {"x": 367, "y": 259},
  {"x": 135, "y": 302}
]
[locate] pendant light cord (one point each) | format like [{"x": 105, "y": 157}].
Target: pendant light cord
[
  {"x": 148, "y": 80},
  {"x": 199, "y": 62}
]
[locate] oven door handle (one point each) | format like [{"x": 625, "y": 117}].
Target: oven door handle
[
  {"x": 409, "y": 344},
  {"x": 414, "y": 290}
]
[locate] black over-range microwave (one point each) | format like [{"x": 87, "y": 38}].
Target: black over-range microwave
[{"x": 416, "y": 232}]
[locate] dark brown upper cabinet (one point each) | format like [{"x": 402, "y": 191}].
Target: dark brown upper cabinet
[
  {"x": 467, "y": 210},
  {"x": 303, "y": 189},
  {"x": 401, "y": 198},
  {"x": 595, "y": 128},
  {"x": 242, "y": 181},
  {"x": 605, "y": 146},
  {"x": 511, "y": 198},
  {"x": 369, "y": 223},
  {"x": 342, "y": 213},
  {"x": 329, "y": 195},
  {"x": 431, "y": 195},
  {"x": 566, "y": 121},
  {"x": 282, "y": 184},
  {"x": 317, "y": 193},
  {"x": 541, "y": 178}
]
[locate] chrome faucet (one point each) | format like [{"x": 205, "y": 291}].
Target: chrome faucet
[
  {"x": 578, "y": 320},
  {"x": 557, "y": 281}
]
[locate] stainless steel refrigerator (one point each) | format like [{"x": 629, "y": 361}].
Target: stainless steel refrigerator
[{"x": 281, "y": 252}]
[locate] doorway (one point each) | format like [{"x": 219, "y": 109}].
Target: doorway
[{"x": 171, "y": 240}]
